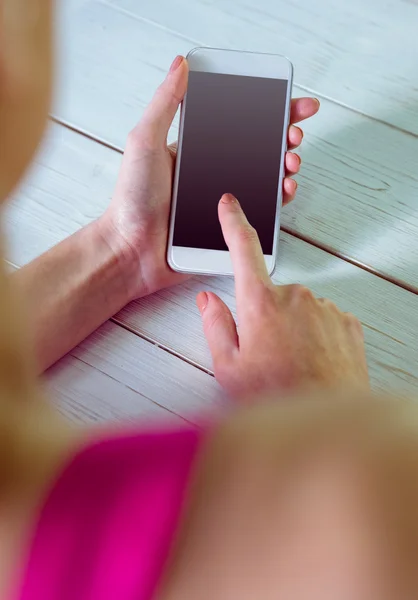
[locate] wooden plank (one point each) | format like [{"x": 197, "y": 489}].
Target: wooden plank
[
  {"x": 84, "y": 394},
  {"x": 115, "y": 375},
  {"x": 359, "y": 181},
  {"x": 72, "y": 183},
  {"x": 361, "y": 54},
  {"x": 389, "y": 314}
]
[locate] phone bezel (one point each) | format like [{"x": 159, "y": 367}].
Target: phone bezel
[{"x": 233, "y": 62}]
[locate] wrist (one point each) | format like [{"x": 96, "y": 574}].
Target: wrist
[{"x": 125, "y": 257}]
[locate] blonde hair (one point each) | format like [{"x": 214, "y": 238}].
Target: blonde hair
[{"x": 25, "y": 90}]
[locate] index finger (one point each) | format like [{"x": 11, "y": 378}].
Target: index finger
[
  {"x": 244, "y": 246},
  {"x": 303, "y": 108}
]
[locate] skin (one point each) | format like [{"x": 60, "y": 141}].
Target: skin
[
  {"x": 311, "y": 500},
  {"x": 256, "y": 451},
  {"x": 287, "y": 337},
  {"x": 122, "y": 255}
]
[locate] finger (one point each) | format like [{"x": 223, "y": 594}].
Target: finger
[
  {"x": 243, "y": 244},
  {"x": 294, "y": 137},
  {"x": 325, "y": 303},
  {"x": 354, "y": 323},
  {"x": 160, "y": 113},
  {"x": 303, "y": 108},
  {"x": 289, "y": 190},
  {"x": 293, "y": 163},
  {"x": 218, "y": 325},
  {"x": 172, "y": 148}
]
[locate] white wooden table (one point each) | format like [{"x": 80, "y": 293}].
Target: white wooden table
[{"x": 352, "y": 234}]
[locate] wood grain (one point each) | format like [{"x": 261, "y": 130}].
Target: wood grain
[
  {"x": 359, "y": 183},
  {"x": 72, "y": 183},
  {"x": 360, "y": 54},
  {"x": 115, "y": 375},
  {"x": 85, "y": 395},
  {"x": 388, "y": 313}
]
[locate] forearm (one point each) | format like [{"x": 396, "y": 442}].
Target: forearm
[{"x": 73, "y": 288}]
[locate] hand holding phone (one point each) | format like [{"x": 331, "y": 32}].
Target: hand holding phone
[
  {"x": 137, "y": 221},
  {"x": 233, "y": 137}
]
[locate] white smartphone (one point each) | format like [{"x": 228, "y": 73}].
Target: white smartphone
[{"x": 232, "y": 139}]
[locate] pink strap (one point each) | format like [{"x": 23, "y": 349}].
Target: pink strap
[{"x": 106, "y": 529}]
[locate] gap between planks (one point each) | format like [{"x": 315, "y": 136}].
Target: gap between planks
[
  {"x": 162, "y": 346},
  {"x": 146, "y": 338},
  {"x": 305, "y": 238},
  {"x": 172, "y": 412},
  {"x": 302, "y": 87}
]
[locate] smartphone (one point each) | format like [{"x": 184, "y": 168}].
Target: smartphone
[{"x": 232, "y": 139}]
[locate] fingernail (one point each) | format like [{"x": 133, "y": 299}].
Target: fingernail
[
  {"x": 202, "y": 301},
  {"x": 176, "y": 63},
  {"x": 228, "y": 199},
  {"x": 318, "y": 102}
]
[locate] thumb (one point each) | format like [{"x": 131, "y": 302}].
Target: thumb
[
  {"x": 159, "y": 114},
  {"x": 218, "y": 325}
]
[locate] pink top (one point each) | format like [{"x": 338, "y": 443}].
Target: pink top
[{"x": 106, "y": 529}]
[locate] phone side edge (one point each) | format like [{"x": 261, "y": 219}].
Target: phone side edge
[
  {"x": 174, "y": 192},
  {"x": 276, "y": 239}
]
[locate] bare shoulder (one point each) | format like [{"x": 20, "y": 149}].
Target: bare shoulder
[{"x": 274, "y": 486}]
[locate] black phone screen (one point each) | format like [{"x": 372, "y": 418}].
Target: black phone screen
[{"x": 232, "y": 142}]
